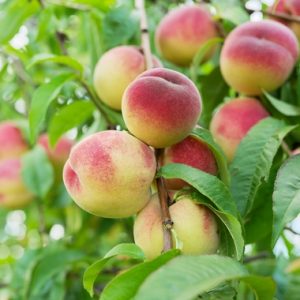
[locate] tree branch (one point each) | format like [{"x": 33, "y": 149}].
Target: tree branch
[
  {"x": 259, "y": 256},
  {"x": 282, "y": 16},
  {"x": 161, "y": 189}
]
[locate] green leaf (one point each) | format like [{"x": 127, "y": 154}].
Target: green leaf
[
  {"x": 64, "y": 60},
  {"x": 37, "y": 172},
  {"x": 52, "y": 264},
  {"x": 253, "y": 160},
  {"x": 125, "y": 286},
  {"x": 206, "y": 136},
  {"x": 208, "y": 185},
  {"x": 185, "y": 277},
  {"x": 69, "y": 117},
  {"x": 103, "y": 5},
  {"x": 92, "y": 272},
  {"x": 41, "y": 99},
  {"x": 283, "y": 107},
  {"x": 286, "y": 196},
  {"x": 13, "y": 17}
]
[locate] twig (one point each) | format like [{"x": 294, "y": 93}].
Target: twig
[
  {"x": 259, "y": 256},
  {"x": 291, "y": 230},
  {"x": 282, "y": 16},
  {"x": 286, "y": 148},
  {"x": 161, "y": 189}
]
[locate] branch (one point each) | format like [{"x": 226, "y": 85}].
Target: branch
[
  {"x": 259, "y": 256},
  {"x": 291, "y": 230},
  {"x": 161, "y": 189}
]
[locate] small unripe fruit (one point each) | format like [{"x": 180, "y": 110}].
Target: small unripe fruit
[
  {"x": 161, "y": 107},
  {"x": 183, "y": 31},
  {"x": 194, "y": 224},
  {"x": 13, "y": 192},
  {"x": 233, "y": 120},
  {"x": 12, "y": 142},
  {"x": 193, "y": 152},
  {"x": 109, "y": 174},
  {"x": 258, "y": 56},
  {"x": 115, "y": 70}
]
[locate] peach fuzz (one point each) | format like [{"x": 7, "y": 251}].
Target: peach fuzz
[
  {"x": 194, "y": 224},
  {"x": 161, "y": 107},
  {"x": 115, "y": 70},
  {"x": 193, "y": 152},
  {"x": 109, "y": 174},
  {"x": 12, "y": 142},
  {"x": 13, "y": 192},
  {"x": 183, "y": 31},
  {"x": 233, "y": 120},
  {"x": 258, "y": 56},
  {"x": 291, "y": 8}
]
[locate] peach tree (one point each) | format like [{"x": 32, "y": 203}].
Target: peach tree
[{"x": 149, "y": 149}]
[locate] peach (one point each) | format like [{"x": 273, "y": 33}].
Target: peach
[
  {"x": 291, "y": 8},
  {"x": 233, "y": 120},
  {"x": 183, "y": 31},
  {"x": 161, "y": 107},
  {"x": 13, "y": 192},
  {"x": 109, "y": 174},
  {"x": 193, "y": 152},
  {"x": 115, "y": 70},
  {"x": 12, "y": 142},
  {"x": 194, "y": 224},
  {"x": 258, "y": 56}
]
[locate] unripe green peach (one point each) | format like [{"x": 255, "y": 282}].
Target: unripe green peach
[
  {"x": 115, "y": 70},
  {"x": 13, "y": 192},
  {"x": 193, "y": 152},
  {"x": 258, "y": 56},
  {"x": 12, "y": 142},
  {"x": 233, "y": 120},
  {"x": 194, "y": 224},
  {"x": 109, "y": 174},
  {"x": 161, "y": 107},
  {"x": 183, "y": 31}
]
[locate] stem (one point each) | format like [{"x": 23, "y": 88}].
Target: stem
[
  {"x": 291, "y": 230},
  {"x": 259, "y": 256},
  {"x": 286, "y": 148},
  {"x": 161, "y": 188},
  {"x": 42, "y": 223},
  {"x": 282, "y": 16}
]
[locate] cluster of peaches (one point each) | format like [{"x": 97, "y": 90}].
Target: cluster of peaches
[
  {"x": 13, "y": 192},
  {"x": 110, "y": 173}
]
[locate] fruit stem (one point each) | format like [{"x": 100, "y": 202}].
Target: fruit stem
[{"x": 160, "y": 183}]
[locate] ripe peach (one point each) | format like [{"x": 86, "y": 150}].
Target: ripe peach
[
  {"x": 233, "y": 120},
  {"x": 291, "y": 8},
  {"x": 258, "y": 56},
  {"x": 183, "y": 31},
  {"x": 194, "y": 224},
  {"x": 193, "y": 152},
  {"x": 13, "y": 192},
  {"x": 109, "y": 174},
  {"x": 12, "y": 142},
  {"x": 115, "y": 70},
  {"x": 161, "y": 107}
]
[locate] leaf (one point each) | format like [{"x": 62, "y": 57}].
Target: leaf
[
  {"x": 125, "y": 285},
  {"x": 253, "y": 160},
  {"x": 206, "y": 136},
  {"x": 286, "y": 195},
  {"x": 103, "y": 5},
  {"x": 92, "y": 272},
  {"x": 41, "y": 99},
  {"x": 185, "y": 277},
  {"x": 283, "y": 107},
  {"x": 69, "y": 117},
  {"x": 64, "y": 60},
  {"x": 15, "y": 14},
  {"x": 37, "y": 172},
  {"x": 208, "y": 185}
]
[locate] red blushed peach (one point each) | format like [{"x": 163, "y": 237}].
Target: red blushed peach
[
  {"x": 291, "y": 8},
  {"x": 193, "y": 152},
  {"x": 13, "y": 192},
  {"x": 194, "y": 224},
  {"x": 161, "y": 107},
  {"x": 115, "y": 70},
  {"x": 233, "y": 120},
  {"x": 183, "y": 31},
  {"x": 12, "y": 142},
  {"x": 258, "y": 56},
  {"x": 109, "y": 174}
]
